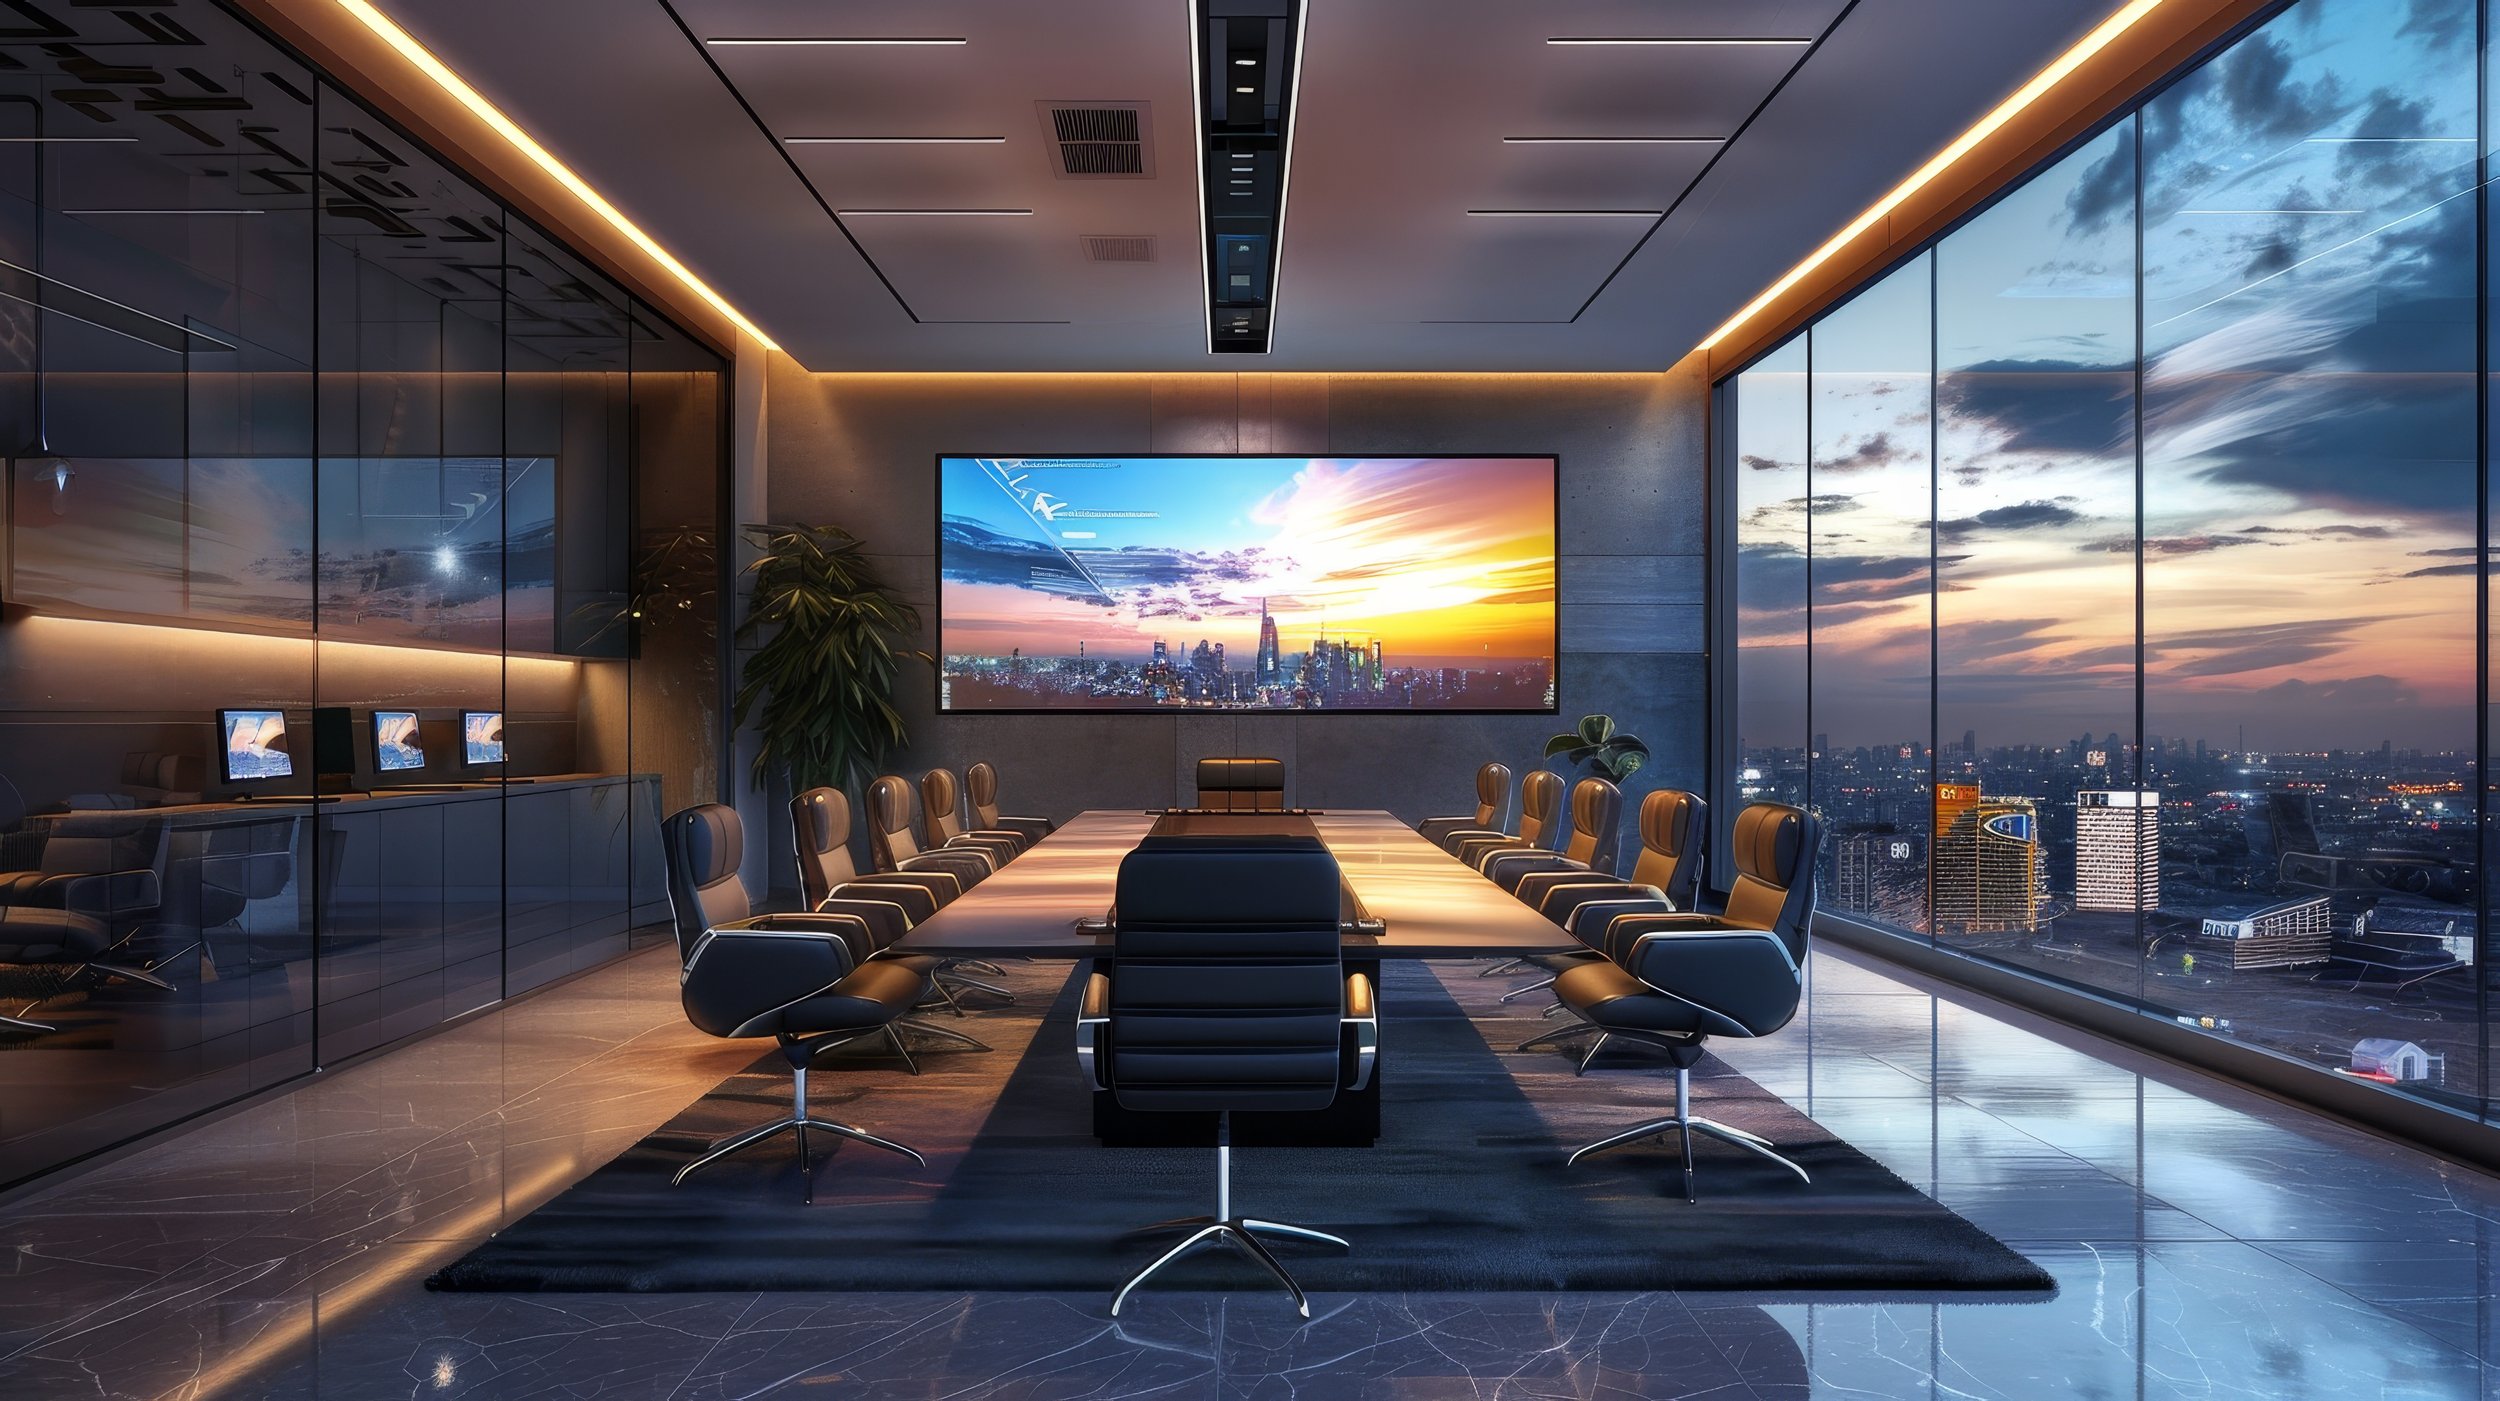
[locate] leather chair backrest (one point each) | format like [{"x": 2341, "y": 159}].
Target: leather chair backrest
[
  {"x": 1774, "y": 848},
  {"x": 704, "y": 845},
  {"x": 1672, "y": 822},
  {"x": 981, "y": 792},
  {"x": 1492, "y": 794},
  {"x": 938, "y": 795},
  {"x": 890, "y": 841},
  {"x": 820, "y": 826},
  {"x": 1540, "y": 793},
  {"x": 93, "y": 842},
  {"x": 1229, "y": 980},
  {"x": 1596, "y": 806},
  {"x": 1242, "y": 784}
]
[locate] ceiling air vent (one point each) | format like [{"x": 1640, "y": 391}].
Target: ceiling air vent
[
  {"x": 1098, "y": 140},
  {"x": 1120, "y": 248}
]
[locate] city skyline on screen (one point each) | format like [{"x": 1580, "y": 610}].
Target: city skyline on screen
[{"x": 1247, "y": 582}]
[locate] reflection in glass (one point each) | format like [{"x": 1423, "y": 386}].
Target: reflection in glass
[{"x": 1769, "y": 464}]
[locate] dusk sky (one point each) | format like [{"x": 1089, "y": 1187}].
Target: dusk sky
[
  {"x": 1445, "y": 560},
  {"x": 2309, "y": 444}
]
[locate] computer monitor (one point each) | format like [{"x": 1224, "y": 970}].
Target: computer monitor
[
  {"x": 398, "y": 746},
  {"x": 481, "y": 737},
  {"x": 252, "y": 745}
]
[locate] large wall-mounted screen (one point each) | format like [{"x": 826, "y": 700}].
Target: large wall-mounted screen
[{"x": 1246, "y": 583}]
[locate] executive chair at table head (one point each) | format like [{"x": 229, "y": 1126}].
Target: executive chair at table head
[
  {"x": 1540, "y": 802},
  {"x": 940, "y": 797},
  {"x": 981, "y": 795},
  {"x": 1678, "y": 979},
  {"x": 1492, "y": 807},
  {"x": 893, "y": 847},
  {"x": 1241, "y": 784},
  {"x": 1228, "y": 991}
]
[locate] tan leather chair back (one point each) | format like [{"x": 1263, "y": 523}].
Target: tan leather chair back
[
  {"x": 1672, "y": 822},
  {"x": 938, "y": 823},
  {"x": 1596, "y": 806},
  {"x": 1774, "y": 847},
  {"x": 1492, "y": 794},
  {"x": 981, "y": 792},
  {"x": 889, "y": 822},
  {"x": 1540, "y": 793},
  {"x": 820, "y": 826}
]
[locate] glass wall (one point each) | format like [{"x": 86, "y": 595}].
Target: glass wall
[
  {"x": 348, "y": 652},
  {"x": 2142, "y": 524}
]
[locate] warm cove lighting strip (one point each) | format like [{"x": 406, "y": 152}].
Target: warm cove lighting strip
[
  {"x": 2101, "y": 37},
  {"x": 408, "y": 48}
]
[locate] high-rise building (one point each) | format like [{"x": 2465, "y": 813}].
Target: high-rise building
[
  {"x": 1379, "y": 673},
  {"x": 2117, "y": 850},
  {"x": 1271, "y": 658},
  {"x": 1987, "y": 865}
]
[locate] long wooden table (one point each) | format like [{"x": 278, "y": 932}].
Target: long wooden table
[
  {"x": 1428, "y": 904},
  {"x": 1049, "y": 903}
]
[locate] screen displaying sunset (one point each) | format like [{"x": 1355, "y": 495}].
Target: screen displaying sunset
[{"x": 1267, "y": 583}]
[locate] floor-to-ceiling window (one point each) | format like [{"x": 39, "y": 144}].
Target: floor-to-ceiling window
[
  {"x": 360, "y": 573},
  {"x": 2185, "y": 533}
]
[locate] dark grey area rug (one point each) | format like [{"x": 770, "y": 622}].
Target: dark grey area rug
[{"x": 1466, "y": 1190}]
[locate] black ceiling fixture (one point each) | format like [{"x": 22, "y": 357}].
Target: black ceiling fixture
[{"x": 1246, "y": 51}]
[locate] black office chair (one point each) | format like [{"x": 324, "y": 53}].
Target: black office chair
[
  {"x": 1228, "y": 991},
  {"x": 820, "y": 828},
  {"x": 1587, "y": 844},
  {"x": 93, "y": 887},
  {"x": 805, "y": 980},
  {"x": 1540, "y": 798},
  {"x": 1683, "y": 978},
  {"x": 940, "y": 797},
  {"x": 893, "y": 847},
  {"x": 1241, "y": 784},
  {"x": 981, "y": 795},
  {"x": 1666, "y": 878},
  {"x": 1492, "y": 812}
]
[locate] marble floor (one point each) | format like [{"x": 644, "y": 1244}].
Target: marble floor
[{"x": 2207, "y": 1243}]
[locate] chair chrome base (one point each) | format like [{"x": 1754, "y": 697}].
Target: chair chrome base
[
  {"x": 894, "y": 1034},
  {"x": 1240, "y": 1232},
  {"x": 1507, "y": 965},
  {"x": 1684, "y": 1125},
  {"x": 1532, "y": 987},
  {"x": 797, "y": 1122},
  {"x": 9, "y": 1023}
]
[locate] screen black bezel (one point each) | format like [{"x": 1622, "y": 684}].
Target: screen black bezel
[
  {"x": 225, "y": 755},
  {"x": 937, "y": 542}
]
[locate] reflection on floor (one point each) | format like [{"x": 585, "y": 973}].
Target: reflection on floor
[{"x": 2207, "y": 1244}]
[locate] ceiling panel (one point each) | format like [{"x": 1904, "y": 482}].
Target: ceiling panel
[{"x": 1403, "y": 107}]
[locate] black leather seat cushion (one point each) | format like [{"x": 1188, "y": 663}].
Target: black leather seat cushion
[
  {"x": 1615, "y": 1000},
  {"x": 874, "y": 993}
]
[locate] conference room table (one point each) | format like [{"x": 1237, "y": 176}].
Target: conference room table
[{"x": 1406, "y": 899}]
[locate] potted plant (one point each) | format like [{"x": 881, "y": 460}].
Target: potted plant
[
  {"x": 1596, "y": 746},
  {"x": 820, "y": 687}
]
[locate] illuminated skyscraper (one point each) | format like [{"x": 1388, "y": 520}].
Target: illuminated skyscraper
[
  {"x": 1987, "y": 863},
  {"x": 1271, "y": 658},
  {"x": 2117, "y": 850}
]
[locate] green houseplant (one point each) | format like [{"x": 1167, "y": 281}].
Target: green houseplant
[
  {"x": 820, "y": 687},
  {"x": 1596, "y": 744}
]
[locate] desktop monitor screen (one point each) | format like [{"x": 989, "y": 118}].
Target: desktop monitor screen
[
  {"x": 1247, "y": 583},
  {"x": 481, "y": 736},
  {"x": 397, "y": 744},
  {"x": 252, "y": 745}
]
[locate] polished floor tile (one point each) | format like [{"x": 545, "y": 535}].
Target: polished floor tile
[{"x": 2207, "y": 1243}]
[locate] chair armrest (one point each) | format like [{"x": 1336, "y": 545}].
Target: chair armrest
[
  {"x": 1589, "y": 918},
  {"x": 1504, "y": 868},
  {"x": 970, "y": 845},
  {"x": 96, "y": 892},
  {"x": 1620, "y": 933},
  {"x": 1746, "y": 977},
  {"x": 884, "y": 920},
  {"x": 942, "y": 886},
  {"x": 742, "y": 974},
  {"x": 911, "y": 894},
  {"x": 1361, "y": 1022},
  {"x": 1032, "y": 829},
  {"x": 967, "y": 867},
  {"x": 1093, "y": 1018}
]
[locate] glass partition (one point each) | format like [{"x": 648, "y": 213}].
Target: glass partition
[{"x": 322, "y": 588}]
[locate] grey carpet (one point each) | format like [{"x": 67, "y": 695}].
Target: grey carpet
[{"x": 1465, "y": 1191}]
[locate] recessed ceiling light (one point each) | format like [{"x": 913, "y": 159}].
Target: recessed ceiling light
[
  {"x": 164, "y": 211},
  {"x": 1631, "y": 42},
  {"x": 63, "y": 140},
  {"x": 468, "y": 97},
  {"x": 1614, "y": 140},
  {"x": 934, "y": 213},
  {"x": 2269, "y": 211},
  {"x": 2376, "y": 140},
  {"x": 1564, "y": 213},
  {"x": 1245, "y": 89},
  {"x": 891, "y": 140},
  {"x": 1245, "y": 63},
  {"x": 863, "y": 43}
]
